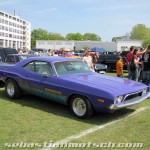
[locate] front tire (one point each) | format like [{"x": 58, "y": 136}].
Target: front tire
[
  {"x": 12, "y": 89},
  {"x": 81, "y": 107}
]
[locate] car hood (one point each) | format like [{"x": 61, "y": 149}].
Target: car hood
[{"x": 113, "y": 85}]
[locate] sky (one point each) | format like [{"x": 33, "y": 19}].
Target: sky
[{"x": 106, "y": 18}]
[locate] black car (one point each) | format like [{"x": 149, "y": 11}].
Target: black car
[
  {"x": 100, "y": 68},
  {"x": 14, "y": 58},
  {"x": 4, "y": 52},
  {"x": 110, "y": 60}
]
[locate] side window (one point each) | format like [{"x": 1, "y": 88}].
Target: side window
[
  {"x": 30, "y": 66},
  {"x": 42, "y": 67},
  {"x": 10, "y": 59}
]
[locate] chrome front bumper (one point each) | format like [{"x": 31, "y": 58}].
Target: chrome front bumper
[{"x": 129, "y": 102}]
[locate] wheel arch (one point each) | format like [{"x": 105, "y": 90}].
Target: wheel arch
[
  {"x": 3, "y": 81},
  {"x": 77, "y": 94}
]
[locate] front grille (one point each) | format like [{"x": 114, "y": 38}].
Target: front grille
[{"x": 132, "y": 96}]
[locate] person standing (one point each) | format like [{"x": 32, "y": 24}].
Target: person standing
[
  {"x": 146, "y": 64},
  {"x": 129, "y": 57},
  {"x": 49, "y": 52},
  {"x": 88, "y": 59},
  {"x": 135, "y": 66},
  {"x": 20, "y": 51},
  {"x": 128, "y": 60},
  {"x": 119, "y": 67}
]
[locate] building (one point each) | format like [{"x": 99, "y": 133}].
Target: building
[
  {"x": 125, "y": 37},
  {"x": 110, "y": 46},
  {"x": 54, "y": 44},
  {"x": 14, "y": 32},
  {"x": 119, "y": 45},
  {"x": 123, "y": 45}
]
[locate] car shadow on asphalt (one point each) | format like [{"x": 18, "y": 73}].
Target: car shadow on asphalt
[{"x": 64, "y": 111}]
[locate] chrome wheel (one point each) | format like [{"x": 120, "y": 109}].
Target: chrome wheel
[
  {"x": 79, "y": 107},
  {"x": 10, "y": 89}
]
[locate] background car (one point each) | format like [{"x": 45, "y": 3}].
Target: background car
[
  {"x": 14, "y": 58},
  {"x": 111, "y": 60},
  {"x": 4, "y": 52},
  {"x": 100, "y": 68}
]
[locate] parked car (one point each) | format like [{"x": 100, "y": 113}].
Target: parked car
[
  {"x": 101, "y": 68},
  {"x": 71, "y": 82},
  {"x": 110, "y": 61},
  {"x": 14, "y": 58},
  {"x": 6, "y": 51}
]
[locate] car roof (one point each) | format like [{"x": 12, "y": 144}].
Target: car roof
[{"x": 46, "y": 58}]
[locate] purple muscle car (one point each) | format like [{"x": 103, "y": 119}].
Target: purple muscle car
[{"x": 71, "y": 82}]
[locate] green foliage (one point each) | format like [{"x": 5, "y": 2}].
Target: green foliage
[
  {"x": 146, "y": 42},
  {"x": 86, "y": 36},
  {"x": 140, "y": 32},
  {"x": 38, "y": 34},
  {"x": 41, "y": 34},
  {"x": 32, "y": 119},
  {"x": 91, "y": 36},
  {"x": 55, "y": 36},
  {"x": 74, "y": 36}
]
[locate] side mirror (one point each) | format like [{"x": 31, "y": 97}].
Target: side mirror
[{"x": 45, "y": 74}]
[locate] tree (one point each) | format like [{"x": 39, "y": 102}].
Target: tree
[
  {"x": 55, "y": 36},
  {"x": 41, "y": 34},
  {"x": 38, "y": 34},
  {"x": 91, "y": 36},
  {"x": 140, "y": 32},
  {"x": 146, "y": 42},
  {"x": 74, "y": 36}
]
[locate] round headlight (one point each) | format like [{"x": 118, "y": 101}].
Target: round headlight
[{"x": 118, "y": 99}]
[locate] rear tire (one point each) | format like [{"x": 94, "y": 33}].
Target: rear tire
[
  {"x": 81, "y": 107},
  {"x": 12, "y": 89}
]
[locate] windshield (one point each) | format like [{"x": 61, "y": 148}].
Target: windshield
[{"x": 71, "y": 67}]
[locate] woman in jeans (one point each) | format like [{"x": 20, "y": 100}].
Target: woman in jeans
[{"x": 135, "y": 73}]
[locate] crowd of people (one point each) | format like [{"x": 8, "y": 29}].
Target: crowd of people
[
  {"x": 138, "y": 65},
  {"x": 137, "y": 60},
  {"x": 50, "y": 52},
  {"x": 90, "y": 59}
]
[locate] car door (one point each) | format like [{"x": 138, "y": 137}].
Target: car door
[{"x": 40, "y": 80}]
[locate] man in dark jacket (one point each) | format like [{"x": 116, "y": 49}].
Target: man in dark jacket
[{"x": 146, "y": 64}]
